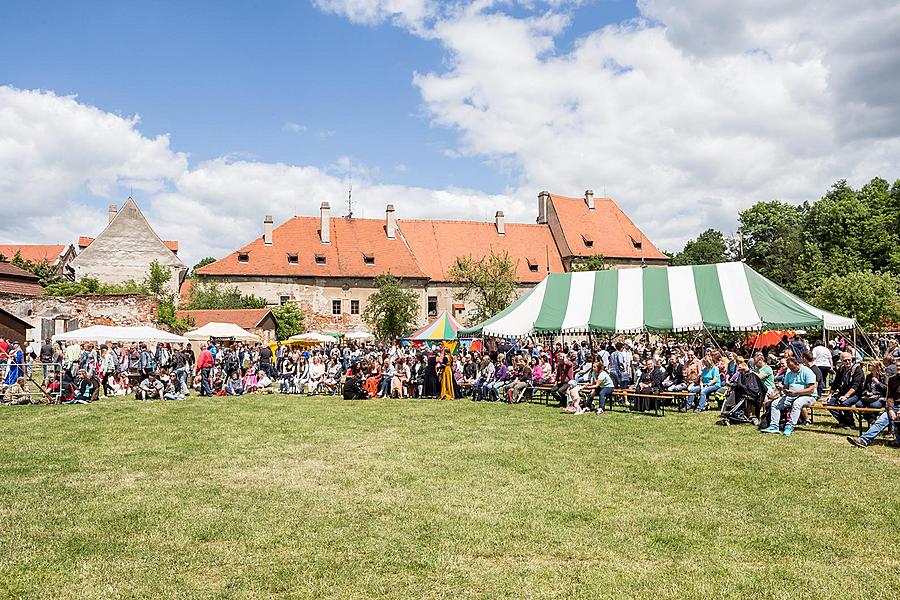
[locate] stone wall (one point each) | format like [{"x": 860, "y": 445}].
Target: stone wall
[
  {"x": 315, "y": 296},
  {"x": 50, "y": 315}
]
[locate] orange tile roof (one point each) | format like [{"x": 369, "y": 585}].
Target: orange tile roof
[
  {"x": 437, "y": 245},
  {"x": 248, "y": 318},
  {"x": 350, "y": 240},
  {"x": 184, "y": 292},
  {"x": 612, "y": 232},
  {"x": 84, "y": 242},
  {"x": 33, "y": 252}
]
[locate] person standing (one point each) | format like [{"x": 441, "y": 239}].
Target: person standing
[{"x": 204, "y": 366}]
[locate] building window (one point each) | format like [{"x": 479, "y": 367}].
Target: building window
[
  {"x": 335, "y": 307},
  {"x": 588, "y": 242},
  {"x": 354, "y": 307},
  {"x": 243, "y": 257},
  {"x": 284, "y": 299},
  {"x": 369, "y": 259},
  {"x": 320, "y": 259},
  {"x": 636, "y": 244},
  {"x": 432, "y": 306},
  {"x": 532, "y": 267},
  {"x": 292, "y": 259}
]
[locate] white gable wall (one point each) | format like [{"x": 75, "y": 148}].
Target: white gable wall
[{"x": 125, "y": 250}]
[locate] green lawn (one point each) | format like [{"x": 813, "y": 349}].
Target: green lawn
[{"x": 274, "y": 496}]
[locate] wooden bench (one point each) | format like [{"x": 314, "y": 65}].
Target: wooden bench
[
  {"x": 857, "y": 413},
  {"x": 659, "y": 408},
  {"x": 536, "y": 392}
]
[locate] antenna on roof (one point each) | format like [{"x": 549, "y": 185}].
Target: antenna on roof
[{"x": 350, "y": 199}]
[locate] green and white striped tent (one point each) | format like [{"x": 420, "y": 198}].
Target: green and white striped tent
[{"x": 723, "y": 297}]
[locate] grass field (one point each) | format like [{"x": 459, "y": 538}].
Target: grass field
[{"x": 279, "y": 496}]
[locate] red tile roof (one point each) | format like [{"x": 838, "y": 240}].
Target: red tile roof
[
  {"x": 19, "y": 282},
  {"x": 84, "y": 242},
  {"x": 437, "y": 245},
  {"x": 350, "y": 240},
  {"x": 248, "y": 318},
  {"x": 33, "y": 252},
  {"x": 614, "y": 235},
  {"x": 184, "y": 292}
]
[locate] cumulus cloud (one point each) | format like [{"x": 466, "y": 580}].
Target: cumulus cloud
[
  {"x": 58, "y": 156},
  {"x": 701, "y": 107}
]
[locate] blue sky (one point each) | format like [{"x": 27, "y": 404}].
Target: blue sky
[
  {"x": 223, "y": 78},
  {"x": 683, "y": 111}
]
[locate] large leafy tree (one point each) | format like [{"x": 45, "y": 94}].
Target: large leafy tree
[
  {"x": 488, "y": 282},
  {"x": 45, "y": 272},
  {"x": 777, "y": 246},
  {"x": 288, "y": 320},
  {"x": 873, "y": 299},
  {"x": 710, "y": 247},
  {"x": 391, "y": 310}
]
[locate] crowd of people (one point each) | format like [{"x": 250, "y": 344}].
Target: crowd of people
[{"x": 777, "y": 383}]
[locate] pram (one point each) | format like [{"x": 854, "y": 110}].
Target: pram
[{"x": 743, "y": 402}]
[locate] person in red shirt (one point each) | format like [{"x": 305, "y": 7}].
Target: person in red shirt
[{"x": 204, "y": 366}]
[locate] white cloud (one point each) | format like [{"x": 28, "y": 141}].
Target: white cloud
[
  {"x": 700, "y": 108},
  {"x": 294, "y": 127},
  {"x": 56, "y": 154}
]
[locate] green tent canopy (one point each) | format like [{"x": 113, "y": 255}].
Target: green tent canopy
[{"x": 723, "y": 297}]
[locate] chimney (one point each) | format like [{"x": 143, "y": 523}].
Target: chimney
[
  {"x": 543, "y": 200},
  {"x": 113, "y": 211},
  {"x": 267, "y": 230},
  {"x": 325, "y": 226},
  {"x": 589, "y": 199},
  {"x": 499, "y": 222},
  {"x": 390, "y": 222}
]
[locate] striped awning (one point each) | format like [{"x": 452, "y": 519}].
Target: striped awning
[
  {"x": 444, "y": 327},
  {"x": 726, "y": 296}
]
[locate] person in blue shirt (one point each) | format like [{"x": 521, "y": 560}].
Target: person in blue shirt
[
  {"x": 800, "y": 389},
  {"x": 709, "y": 383}
]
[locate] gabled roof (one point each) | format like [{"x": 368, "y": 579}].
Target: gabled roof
[
  {"x": 438, "y": 244},
  {"x": 26, "y": 325},
  {"x": 350, "y": 240},
  {"x": 119, "y": 229},
  {"x": 34, "y": 252},
  {"x": 18, "y": 282},
  {"x": 614, "y": 235},
  {"x": 247, "y": 318},
  {"x": 84, "y": 242}
]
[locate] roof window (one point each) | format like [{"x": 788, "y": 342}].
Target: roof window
[
  {"x": 368, "y": 259},
  {"x": 243, "y": 257},
  {"x": 636, "y": 243},
  {"x": 532, "y": 264},
  {"x": 588, "y": 242},
  {"x": 293, "y": 259},
  {"x": 320, "y": 259}
]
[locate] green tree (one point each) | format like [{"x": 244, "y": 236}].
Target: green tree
[
  {"x": 45, "y": 272},
  {"x": 873, "y": 299},
  {"x": 391, "y": 310},
  {"x": 592, "y": 263},
  {"x": 203, "y": 262},
  {"x": 212, "y": 295},
  {"x": 488, "y": 282},
  {"x": 776, "y": 245},
  {"x": 710, "y": 247},
  {"x": 288, "y": 320}
]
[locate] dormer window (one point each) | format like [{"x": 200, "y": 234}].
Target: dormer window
[
  {"x": 588, "y": 242},
  {"x": 369, "y": 259},
  {"x": 532, "y": 264},
  {"x": 636, "y": 244},
  {"x": 293, "y": 259},
  {"x": 243, "y": 257},
  {"x": 532, "y": 268},
  {"x": 320, "y": 259}
]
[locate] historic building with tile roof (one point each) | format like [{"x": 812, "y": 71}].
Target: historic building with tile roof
[
  {"x": 328, "y": 264},
  {"x": 57, "y": 256}
]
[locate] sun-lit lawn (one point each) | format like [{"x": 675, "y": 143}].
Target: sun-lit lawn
[{"x": 319, "y": 497}]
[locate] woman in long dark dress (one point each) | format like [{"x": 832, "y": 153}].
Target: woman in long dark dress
[{"x": 432, "y": 385}]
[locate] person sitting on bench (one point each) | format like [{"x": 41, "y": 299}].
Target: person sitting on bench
[
  {"x": 799, "y": 390},
  {"x": 891, "y": 416},
  {"x": 649, "y": 382},
  {"x": 846, "y": 388}
]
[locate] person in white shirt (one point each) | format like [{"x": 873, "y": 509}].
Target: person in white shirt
[
  {"x": 822, "y": 358},
  {"x": 316, "y": 375}
]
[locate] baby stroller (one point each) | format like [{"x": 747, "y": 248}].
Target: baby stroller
[{"x": 742, "y": 403}]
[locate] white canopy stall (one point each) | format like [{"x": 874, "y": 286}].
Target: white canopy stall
[
  {"x": 107, "y": 333},
  {"x": 228, "y": 331}
]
